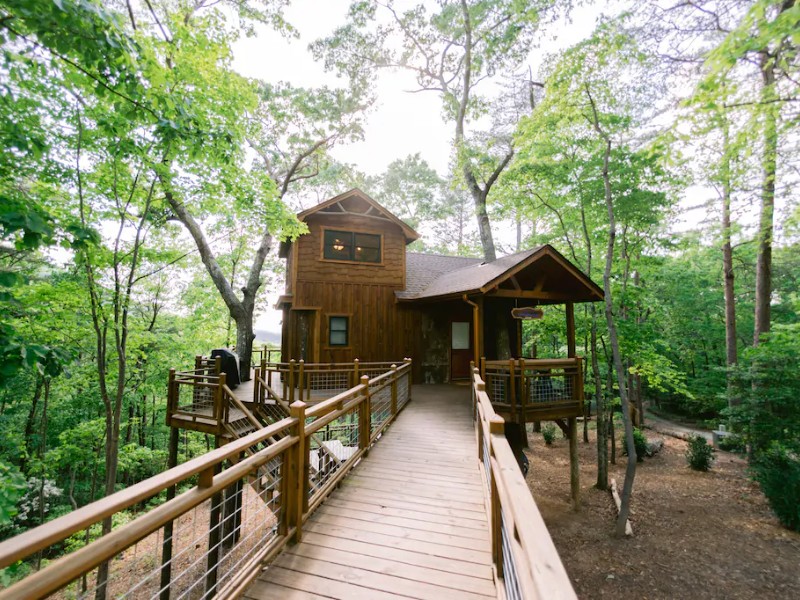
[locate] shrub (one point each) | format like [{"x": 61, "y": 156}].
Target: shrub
[
  {"x": 699, "y": 454},
  {"x": 732, "y": 443},
  {"x": 778, "y": 473},
  {"x": 639, "y": 443},
  {"x": 549, "y": 434}
]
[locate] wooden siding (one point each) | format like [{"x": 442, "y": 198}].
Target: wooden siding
[
  {"x": 380, "y": 328},
  {"x": 312, "y": 268}
]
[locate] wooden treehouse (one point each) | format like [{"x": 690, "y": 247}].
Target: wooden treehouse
[{"x": 327, "y": 480}]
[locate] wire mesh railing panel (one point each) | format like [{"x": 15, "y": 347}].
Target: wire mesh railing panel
[
  {"x": 192, "y": 556},
  {"x": 272, "y": 412},
  {"x": 550, "y": 385},
  {"x": 498, "y": 385},
  {"x": 249, "y": 517},
  {"x": 402, "y": 390},
  {"x": 373, "y": 370},
  {"x": 331, "y": 447},
  {"x": 328, "y": 383},
  {"x": 510, "y": 574},
  {"x": 195, "y": 397},
  {"x": 380, "y": 405}
]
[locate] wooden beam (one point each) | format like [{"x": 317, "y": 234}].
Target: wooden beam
[
  {"x": 515, "y": 283},
  {"x": 531, "y": 295}
]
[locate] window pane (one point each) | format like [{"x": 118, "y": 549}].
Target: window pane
[
  {"x": 337, "y": 331},
  {"x": 338, "y": 245},
  {"x": 372, "y": 255},
  {"x": 367, "y": 247},
  {"x": 460, "y": 337},
  {"x": 338, "y": 338}
]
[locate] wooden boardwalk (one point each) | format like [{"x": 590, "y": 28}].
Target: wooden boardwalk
[{"x": 410, "y": 520}]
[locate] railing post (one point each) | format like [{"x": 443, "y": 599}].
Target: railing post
[
  {"x": 394, "y": 390},
  {"x": 198, "y": 362},
  {"x": 257, "y": 386},
  {"x": 301, "y": 375},
  {"x": 355, "y": 373},
  {"x": 166, "y": 546},
  {"x": 483, "y": 368},
  {"x": 364, "y": 418},
  {"x": 290, "y": 396},
  {"x": 496, "y": 428},
  {"x": 298, "y": 473},
  {"x": 172, "y": 396},
  {"x": 407, "y": 360},
  {"x": 221, "y": 398},
  {"x": 217, "y": 365}
]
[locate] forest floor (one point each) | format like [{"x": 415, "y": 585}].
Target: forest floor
[{"x": 696, "y": 535}]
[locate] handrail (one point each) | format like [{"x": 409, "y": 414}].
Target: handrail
[
  {"x": 238, "y": 403},
  {"x": 518, "y": 532},
  {"x": 297, "y": 490},
  {"x": 50, "y": 579},
  {"x": 33, "y": 540}
]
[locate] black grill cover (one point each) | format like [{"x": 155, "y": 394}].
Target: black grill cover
[{"x": 230, "y": 366}]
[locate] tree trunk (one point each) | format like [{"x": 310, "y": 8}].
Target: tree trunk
[
  {"x": 241, "y": 309},
  {"x": 630, "y": 471},
  {"x": 766, "y": 219},
  {"x": 731, "y": 353},
  {"x": 244, "y": 343},
  {"x": 600, "y": 413},
  {"x": 29, "y": 423}
]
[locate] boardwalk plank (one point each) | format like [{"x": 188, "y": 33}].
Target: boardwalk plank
[
  {"x": 380, "y": 582},
  {"x": 409, "y": 522},
  {"x": 454, "y": 581}
]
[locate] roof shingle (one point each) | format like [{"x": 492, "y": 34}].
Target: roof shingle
[{"x": 429, "y": 276}]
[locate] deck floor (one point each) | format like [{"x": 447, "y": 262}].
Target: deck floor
[{"x": 409, "y": 521}]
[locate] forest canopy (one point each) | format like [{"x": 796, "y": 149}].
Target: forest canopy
[{"x": 145, "y": 184}]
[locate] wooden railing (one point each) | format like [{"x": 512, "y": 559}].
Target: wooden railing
[
  {"x": 265, "y": 353},
  {"x": 526, "y": 562},
  {"x": 525, "y": 389},
  {"x": 299, "y": 380},
  {"x": 206, "y": 527}
]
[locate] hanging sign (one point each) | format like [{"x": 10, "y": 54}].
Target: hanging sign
[{"x": 527, "y": 313}]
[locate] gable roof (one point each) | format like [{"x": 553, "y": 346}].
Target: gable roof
[
  {"x": 423, "y": 269},
  {"x": 330, "y": 206},
  {"x": 441, "y": 277}
]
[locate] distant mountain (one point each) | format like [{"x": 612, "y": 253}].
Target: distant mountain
[{"x": 267, "y": 337}]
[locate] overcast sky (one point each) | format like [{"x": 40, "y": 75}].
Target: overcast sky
[{"x": 403, "y": 123}]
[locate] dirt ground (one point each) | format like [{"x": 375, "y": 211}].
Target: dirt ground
[{"x": 696, "y": 535}]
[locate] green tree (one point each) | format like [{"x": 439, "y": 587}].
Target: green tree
[{"x": 450, "y": 51}]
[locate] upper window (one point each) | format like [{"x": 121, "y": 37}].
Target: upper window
[
  {"x": 337, "y": 331},
  {"x": 348, "y": 245}
]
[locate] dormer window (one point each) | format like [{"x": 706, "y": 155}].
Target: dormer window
[{"x": 351, "y": 246}]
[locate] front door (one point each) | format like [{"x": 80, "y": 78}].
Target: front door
[{"x": 460, "y": 349}]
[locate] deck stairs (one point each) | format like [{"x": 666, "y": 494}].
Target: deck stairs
[{"x": 326, "y": 455}]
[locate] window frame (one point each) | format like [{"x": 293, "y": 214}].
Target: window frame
[
  {"x": 346, "y": 343},
  {"x": 352, "y": 233}
]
